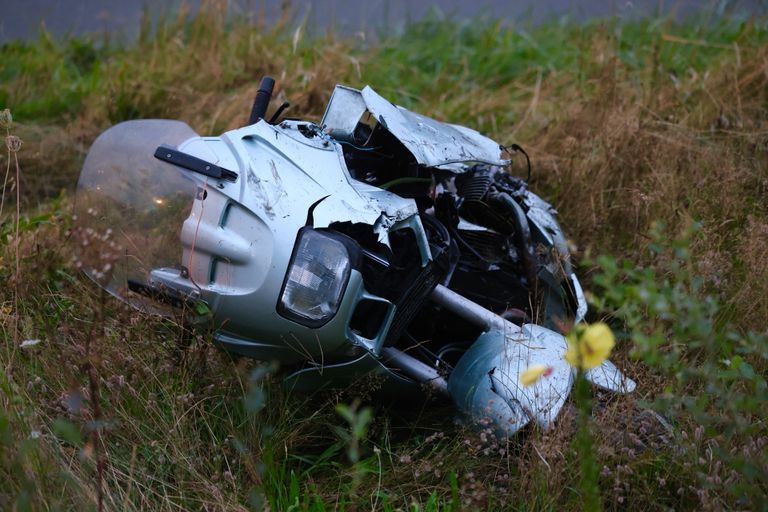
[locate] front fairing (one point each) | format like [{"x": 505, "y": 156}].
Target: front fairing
[{"x": 181, "y": 236}]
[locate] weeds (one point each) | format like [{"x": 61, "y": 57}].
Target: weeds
[
  {"x": 709, "y": 364},
  {"x": 626, "y": 123}
]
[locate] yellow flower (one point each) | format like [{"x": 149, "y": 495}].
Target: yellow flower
[
  {"x": 533, "y": 373},
  {"x": 589, "y": 345}
]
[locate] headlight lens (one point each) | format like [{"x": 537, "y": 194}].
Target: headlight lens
[{"x": 317, "y": 277}]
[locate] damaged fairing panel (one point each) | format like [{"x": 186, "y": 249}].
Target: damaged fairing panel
[{"x": 432, "y": 143}]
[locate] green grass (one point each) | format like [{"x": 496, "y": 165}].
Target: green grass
[{"x": 630, "y": 126}]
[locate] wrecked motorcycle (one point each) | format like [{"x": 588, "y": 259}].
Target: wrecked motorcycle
[{"x": 375, "y": 242}]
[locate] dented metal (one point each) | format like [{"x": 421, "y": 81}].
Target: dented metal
[
  {"x": 379, "y": 242},
  {"x": 432, "y": 143}
]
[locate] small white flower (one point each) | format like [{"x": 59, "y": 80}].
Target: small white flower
[{"x": 35, "y": 434}]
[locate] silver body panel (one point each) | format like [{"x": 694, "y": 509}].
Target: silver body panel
[
  {"x": 432, "y": 143},
  {"x": 238, "y": 241}
]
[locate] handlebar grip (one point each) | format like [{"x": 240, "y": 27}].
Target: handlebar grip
[{"x": 261, "y": 102}]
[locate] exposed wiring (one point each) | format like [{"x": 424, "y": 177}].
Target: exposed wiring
[
  {"x": 515, "y": 147},
  {"x": 328, "y": 138},
  {"x": 471, "y": 249},
  {"x": 451, "y": 246},
  {"x": 431, "y": 357}
]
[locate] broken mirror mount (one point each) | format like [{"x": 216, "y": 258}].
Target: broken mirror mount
[{"x": 192, "y": 163}]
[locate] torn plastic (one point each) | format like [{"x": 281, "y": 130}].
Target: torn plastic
[
  {"x": 486, "y": 382},
  {"x": 432, "y": 143}
]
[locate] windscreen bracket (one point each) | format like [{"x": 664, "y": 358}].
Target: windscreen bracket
[{"x": 192, "y": 163}]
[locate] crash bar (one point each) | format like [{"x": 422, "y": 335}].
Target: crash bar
[
  {"x": 413, "y": 368},
  {"x": 468, "y": 310}
]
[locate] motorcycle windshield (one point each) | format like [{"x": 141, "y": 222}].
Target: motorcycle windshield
[{"x": 130, "y": 208}]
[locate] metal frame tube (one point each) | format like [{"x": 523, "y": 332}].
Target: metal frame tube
[
  {"x": 468, "y": 310},
  {"x": 414, "y": 369}
]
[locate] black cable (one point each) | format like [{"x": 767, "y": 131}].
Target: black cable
[
  {"x": 515, "y": 147},
  {"x": 471, "y": 249},
  {"x": 430, "y": 356},
  {"x": 276, "y": 116},
  {"x": 452, "y": 248}
]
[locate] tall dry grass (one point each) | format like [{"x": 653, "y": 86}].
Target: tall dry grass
[{"x": 627, "y": 125}]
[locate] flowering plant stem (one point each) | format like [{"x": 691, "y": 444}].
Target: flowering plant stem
[{"x": 584, "y": 446}]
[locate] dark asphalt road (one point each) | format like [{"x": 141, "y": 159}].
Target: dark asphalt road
[{"x": 22, "y": 18}]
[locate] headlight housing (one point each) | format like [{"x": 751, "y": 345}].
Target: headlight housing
[{"x": 317, "y": 277}]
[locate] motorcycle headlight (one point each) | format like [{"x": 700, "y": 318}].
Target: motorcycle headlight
[{"x": 316, "y": 279}]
